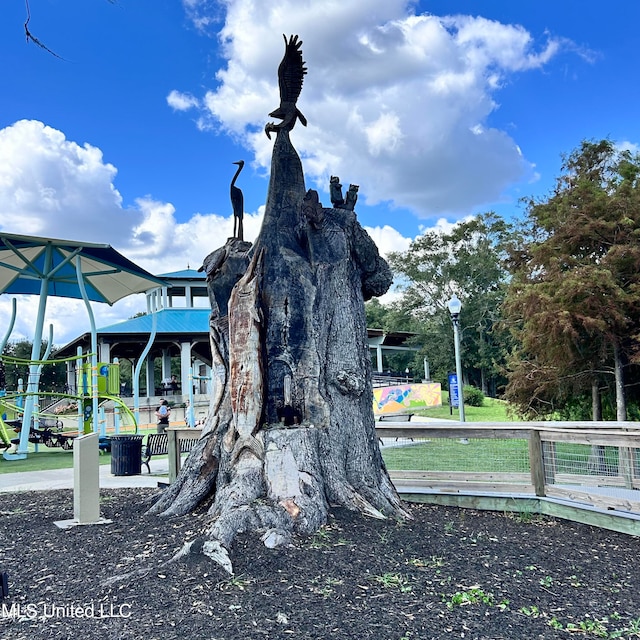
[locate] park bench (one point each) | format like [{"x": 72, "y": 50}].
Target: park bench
[
  {"x": 158, "y": 445},
  {"x": 394, "y": 417},
  {"x": 48, "y": 436}
]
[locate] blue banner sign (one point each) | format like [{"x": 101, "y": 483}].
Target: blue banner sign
[{"x": 454, "y": 395}]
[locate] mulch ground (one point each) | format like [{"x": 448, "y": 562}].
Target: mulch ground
[{"x": 449, "y": 573}]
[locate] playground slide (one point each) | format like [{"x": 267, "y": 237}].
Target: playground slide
[{"x": 122, "y": 406}]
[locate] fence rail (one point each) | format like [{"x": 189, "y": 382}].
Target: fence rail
[
  {"x": 585, "y": 471},
  {"x": 588, "y": 466}
]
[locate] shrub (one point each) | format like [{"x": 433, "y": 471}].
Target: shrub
[{"x": 473, "y": 397}]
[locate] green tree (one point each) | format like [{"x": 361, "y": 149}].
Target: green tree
[
  {"x": 574, "y": 300},
  {"x": 52, "y": 377},
  {"x": 467, "y": 261}
]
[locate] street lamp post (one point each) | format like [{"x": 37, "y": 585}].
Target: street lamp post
[{"x": 454, "y": 309}]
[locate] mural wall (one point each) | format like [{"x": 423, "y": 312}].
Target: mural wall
[{"x": 406, "y": 397}]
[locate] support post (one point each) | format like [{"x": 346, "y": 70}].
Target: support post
[
  {"x": 185, "y": 367},
  {"x": 190, "y": 416},
  {"x": 456, "y": 337},
  {"x": 173, "y": 449},
  {"x": 536, "y": 463}
]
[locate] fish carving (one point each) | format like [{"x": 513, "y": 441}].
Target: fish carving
[{"x": 245, "y": 360}]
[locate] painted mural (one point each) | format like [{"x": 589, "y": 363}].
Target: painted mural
[{"x": 406, "y": 397}]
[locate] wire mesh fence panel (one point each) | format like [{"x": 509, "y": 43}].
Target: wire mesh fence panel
[
  {"x": 489, "y": 455},
  {"x": 581, "y": 459},
  {"x": 572, "y": 463},
  {"x": 595, "y": 466},
  {"x": 602, "y": 475}
]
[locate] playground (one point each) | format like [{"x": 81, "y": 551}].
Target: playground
[
  {"x": 87, "y": 271},
  {"x": 64, "y": 416}
]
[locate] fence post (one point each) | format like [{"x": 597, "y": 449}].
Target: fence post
[
  {"x": 625, "y": 458},
  {"x": 536, "y": 462},
  {"x": 173, "y": 449}
]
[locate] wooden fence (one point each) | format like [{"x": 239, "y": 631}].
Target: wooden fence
[{"x": 584, "y": 471}]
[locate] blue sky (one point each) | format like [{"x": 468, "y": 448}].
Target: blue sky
[{"x": 437, "y": 109}]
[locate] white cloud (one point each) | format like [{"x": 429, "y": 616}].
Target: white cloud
[
  {"x": 182, "y": 101},
  {"x": 626, "y": 145},
  {"x": 388, "y": 239},
  {"x": 443, "y": 226},
  {"x": 203, "y": 13},
  {"x": 384, "y": 135},
  {"x": 53, "y": 187},
  {"x": 398, "y": 103}
]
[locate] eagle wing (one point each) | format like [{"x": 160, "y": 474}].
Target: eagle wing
[{"x": 291, "y": 71}]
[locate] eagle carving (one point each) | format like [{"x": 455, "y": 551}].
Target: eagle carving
[{"x": 290, "y": 77}]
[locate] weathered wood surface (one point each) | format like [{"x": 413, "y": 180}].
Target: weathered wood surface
[
  {"x": 292, "y": 327},
  {"x": 613, "y": 520},
  {"x": 196, "y": 481},
  {"x": 601, "y": 501},
  {"x": 245, "y": 361},
  {"x": 479, "y": 477},
  {"x": 462, "y": 487},
  {"x": 536, "y": 463},
  {"x": 589, "y": 480},
  {"x": 397, "y": 430}
]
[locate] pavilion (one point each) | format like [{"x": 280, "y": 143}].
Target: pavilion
[{"x": 182, "y": 331}]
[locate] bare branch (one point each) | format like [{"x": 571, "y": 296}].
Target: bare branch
[{"x": 32, "y": 38}]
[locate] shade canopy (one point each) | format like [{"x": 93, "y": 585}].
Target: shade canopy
[
  {"x": 63, "y": 268},
  {"x": 26, "y": 262}
]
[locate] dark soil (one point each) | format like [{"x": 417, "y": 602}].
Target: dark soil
[{"x": 449, "y": 573}]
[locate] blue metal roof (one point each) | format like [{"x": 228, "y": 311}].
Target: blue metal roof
[
  {"x": 27, "y": 263},
  {"x": 183, "y": 321},
  {"x": 185, "y": 274}
]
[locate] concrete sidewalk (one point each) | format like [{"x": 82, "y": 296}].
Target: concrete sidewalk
[{"x": 63, "y": 479}]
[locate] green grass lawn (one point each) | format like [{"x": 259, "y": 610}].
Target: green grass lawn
[
  {"x": 443, "y": 454},
  {"x": 492, "y": 411}
]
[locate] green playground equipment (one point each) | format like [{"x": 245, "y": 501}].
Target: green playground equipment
[
  {"x": 5, "y": 440},
  {"x": 42, "y": 431}
]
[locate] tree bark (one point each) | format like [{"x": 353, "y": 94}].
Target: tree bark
[
  {"x": 621, "y": 401},
  {"x": 596, "y": 401},
  {"x": 290, "y": 429}
]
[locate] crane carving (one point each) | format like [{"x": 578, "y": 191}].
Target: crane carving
[
  {"x": 291, "y": 74},
  {"x": 237, "y": 202}
]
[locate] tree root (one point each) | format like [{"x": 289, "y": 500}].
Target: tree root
[
  {"x": 195, "y": 483},
  {"x": 210, "y": 548},
  {"x": 284, "y": 492}
]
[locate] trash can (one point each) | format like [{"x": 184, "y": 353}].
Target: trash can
[{"x": 126, "y": 455}]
